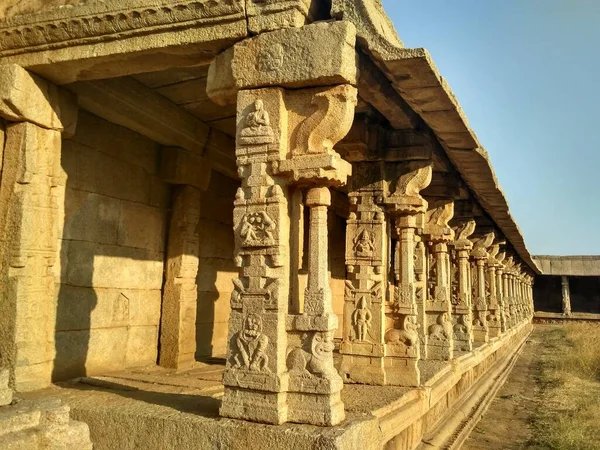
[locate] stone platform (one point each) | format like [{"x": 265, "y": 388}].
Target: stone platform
[
  {"x": 541, "y": 317},
  {"x": 154, "y": 408}
]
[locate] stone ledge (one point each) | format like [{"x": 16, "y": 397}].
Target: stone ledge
[{"x": 158, "y": 409}]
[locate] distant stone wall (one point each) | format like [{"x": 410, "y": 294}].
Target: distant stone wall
[
  {"x": 216, "y": 268},
  {"x": 568, "y": 265},
  {"x": 113, "y": 240}
]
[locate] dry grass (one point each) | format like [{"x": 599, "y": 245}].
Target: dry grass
[{"x": 568, "y": 417}]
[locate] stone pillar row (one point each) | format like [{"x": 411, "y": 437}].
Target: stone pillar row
[{"x": 400, "y": 303}]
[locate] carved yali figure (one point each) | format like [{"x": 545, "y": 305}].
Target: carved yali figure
[
  {"x": 257, "y": 127},
  {"x": 257, "y": 229},
  {"x": 460, "y": 327},
  {"x": 361, "y": 320},
  {"x": 364, "y": 244},
  {"x": 317, "y": 359},
  {"x": 442, "y": 330},
  {"x": 406, "y": 336},
  {"x": 481, "y": 312},
  {"x": 251, "y": 344}
]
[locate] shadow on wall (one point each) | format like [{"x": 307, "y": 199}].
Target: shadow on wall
[
  {"x": 216, "y": 268},
  {"x": 112, "y": 251}
]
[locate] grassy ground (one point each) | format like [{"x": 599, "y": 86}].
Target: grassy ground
[{"x": 567, "y": 416}]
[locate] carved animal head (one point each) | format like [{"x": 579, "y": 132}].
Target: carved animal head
[{"x": 252, "y": 325}]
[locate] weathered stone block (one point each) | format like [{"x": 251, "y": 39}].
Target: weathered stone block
[
  {"x": 320, "y": 54},
  {"x": 91, "y": 217},
  {"x": 25, "y": 97},
  {"x": 110, "y": 266},
  {"x": 181, "y": 166},
  {"x": 142, "y": 344},
  {"x": 142, "y": 226}
]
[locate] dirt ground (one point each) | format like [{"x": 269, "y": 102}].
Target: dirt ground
[{"x": 505, "y": 426}]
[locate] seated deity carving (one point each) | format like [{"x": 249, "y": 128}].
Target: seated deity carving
[
  {"x": 442, "y": 330},
  {"x": 250, "y": 346},
  {"x": 406, "y": 336},
  {"x": 257, "y": 127},
  {"x": 362, "y": 320},
  {"x": 317, "y": 358},
  {"x": 257, "y": 229},
  {"x": 364, "y": 244}
]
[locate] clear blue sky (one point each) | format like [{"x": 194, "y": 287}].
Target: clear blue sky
[{"x": 527, "y": 75}]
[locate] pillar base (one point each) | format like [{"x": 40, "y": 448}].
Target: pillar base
[
  {"x": 480, "y": 335},
  {"x": 439, "y": 350},
  {"x": 256, "y": 406},
  {"x": 322, "y": 410},
  {"x": 463, "y": 344}
]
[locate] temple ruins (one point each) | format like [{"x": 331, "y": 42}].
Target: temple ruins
[{"x": 244, "y": 224}]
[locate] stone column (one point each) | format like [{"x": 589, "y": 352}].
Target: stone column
[
  {"x": 31, "y": 207},
  {"x": 190, "y": 173},
  {"x": 401, "y": 337},
  {"x": 462, "y": 304},
  {"x": 438, "y": 306},
  {"x": 480, "y": 256},
  {"x": 566, "y": 296},
  {"x": 367, "y": 239},
  {"x": 291, "y": 111},
  {"x": 501, "y": 291},
  {"x": 494, "y": 295}
]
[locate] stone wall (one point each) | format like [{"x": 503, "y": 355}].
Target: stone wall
[
  {"x": 111, "y": 261},
  {"x": 216, "y": 268}
]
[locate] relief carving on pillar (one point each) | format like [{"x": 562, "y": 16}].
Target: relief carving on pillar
[
  {"x": 455, "y": 297},
  {"x": 364, "y": 244},
  {"x": 362, "y": 320},
  {"x": 250, "y": 349},
  {"x": 442, "y": 329},
  {"x": 315, "y": 357},
  {"x": 257, "y": 128},
  {"x": 257, "y": 230},
  {"x": 404, "y": 335}
]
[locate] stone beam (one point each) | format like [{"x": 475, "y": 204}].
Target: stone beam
[
  {"x": 321, "y": 54},
  {"x": 94, "y": 40},
  {"x": 375, "y": 88},
  {"x": 129, "y": 103}
]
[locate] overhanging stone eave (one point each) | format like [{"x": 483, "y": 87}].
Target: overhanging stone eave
[
  {"x": 415, "y": 77},
  {"x": 107, "y": 40}
]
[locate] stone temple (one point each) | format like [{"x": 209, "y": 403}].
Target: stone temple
[{"x": 239, "y": 224}]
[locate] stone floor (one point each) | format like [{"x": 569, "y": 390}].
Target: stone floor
[{"x": 184, "y": 406}]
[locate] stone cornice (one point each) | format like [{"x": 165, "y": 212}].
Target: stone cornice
[{"x": 84, "y": 24}]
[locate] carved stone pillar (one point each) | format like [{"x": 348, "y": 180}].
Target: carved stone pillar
[
  {"x": 566, "y": 296},
  {"x": 462, "y": 307},
  {"x": 31, "y": 208},
  {"x": 494, "y": 296},
  {"x": 407, "y": 207},
  {"x": 438, "y": 307},
  {"x": 506, "y": 282},
  {"x": 480, "y": 288},
  {"x": 367, "y": 238},
  {"x": 280, "y": 354},
  {"x": 501, "y": 291}
]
